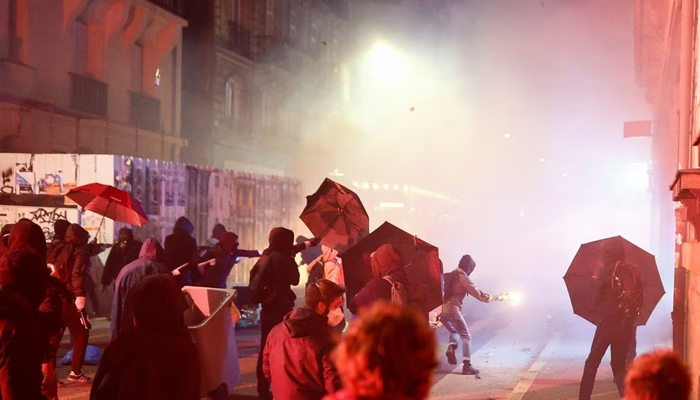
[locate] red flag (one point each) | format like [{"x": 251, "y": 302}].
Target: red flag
[{"x": 637, "y": 129}]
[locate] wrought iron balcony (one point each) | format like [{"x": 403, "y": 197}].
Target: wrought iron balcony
[
  {"x": 239, "y": 39},
  {"x": 88, "y": 95}
]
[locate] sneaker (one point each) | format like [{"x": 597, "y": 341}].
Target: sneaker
[
  {"x": 467, "y": 369},
  {"x": 80, "y": 378},
  {"x": 451, "y": 358}
]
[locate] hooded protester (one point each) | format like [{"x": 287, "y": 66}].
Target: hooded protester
[
  {"x": 59, "y": 233},
  {"x": 387, "y": 266},
  {"x": 23, "y": 277},
  {"x": 296, "y": 359},
  {"x": 70, "y": 263},
  {"x": 157, "y": 360},
  {"x": 452, "y": 318},
  {"x": 125, "y": 251},
  {"x": 225, "y": 252},
  {"x": 148, "y": 263},
  {"x": 181, "y": 248},
  {"x": 617, "y": 326},
  {"x": 278, "y": 262}
]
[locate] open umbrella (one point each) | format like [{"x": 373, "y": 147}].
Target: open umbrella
[
  {"x": 581, "y": 276},
  {"x": 336, "y": 215},
  {"x": 422, "y": 260},
  {"x": 109, "y": 202}
]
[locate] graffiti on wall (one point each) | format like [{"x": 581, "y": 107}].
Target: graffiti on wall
[{"x": 42, "y": 216}]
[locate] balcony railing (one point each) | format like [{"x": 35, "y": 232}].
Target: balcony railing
[
  {"x": 145, "y": 112},
  {"x": 88, "y": 95},
  {"x": 174, "y": 6},
  {"x": 239, "y": 39},
  {"x": 273, "y": 51}
]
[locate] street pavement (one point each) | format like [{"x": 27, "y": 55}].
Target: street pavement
[{"x": 521, "y": 354}]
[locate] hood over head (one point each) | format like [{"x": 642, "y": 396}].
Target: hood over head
[
  {"x": 229, "y": 241},
  {"x": 152, "y": 250},
  {"x": 612, "y": 250},
  {"x": 384, "y": 259},
  {"x": 467, "y": 264},
  {"x": 127, "y": 232},
  {"x": 77, "y": 235},
  {"x": 158, "y": 304},
  {"x": 59, "y": 229},
  {"x": 26, "y": 235},
  {"x": 218, "y": 231},
  {"x": 303, "y": 322},
  {"x": 281, "y": 239},
  {"x": 25, "y": 272},
  {"x": 184, "y": 225}
]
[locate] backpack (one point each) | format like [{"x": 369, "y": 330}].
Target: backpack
[
  {"x": 399, "y": 294},
  {"x": 316, "y": 271},
  {"x": 626, "y": 289},
  {"x": 449, "y": 280},
  {"x": 261, "y": 285}
]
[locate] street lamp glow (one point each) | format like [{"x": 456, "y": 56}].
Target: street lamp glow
[{"x": 507, "y": 136}]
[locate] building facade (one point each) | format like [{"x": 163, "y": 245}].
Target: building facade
[
  {"x": 255, "y": 71},
  {"x": 92, "y": 76},
  {"x": 666, "y": 40}
]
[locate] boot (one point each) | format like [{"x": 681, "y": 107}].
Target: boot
[
  {"x": 451, "y": 358},
  {"x": 467, "y": 369}
]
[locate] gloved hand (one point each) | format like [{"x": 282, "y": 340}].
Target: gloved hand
[
  {"x": 503, "y": 297},
  {"x": 314, "y": 241},
  {"x": 80, "y": 303}
]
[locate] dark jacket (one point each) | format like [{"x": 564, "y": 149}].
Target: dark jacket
[
  {"x": 604, "y": 298},
  {"x": 181, "y": 248},
  {"x": 376, "y": 289},
  {"x": 296, "y": 357},
  {"x": 148, "y": 366},
  {"x": 21, "y": 347},
  {"x": 118, "y": 258},
  {"x": 282, "y": 268},
  {"x": 71, "y": 259},
  {"x": 122, "y": 317},
  {"x": 215, "y": 276},
  {"x": 462, "y": 287}
]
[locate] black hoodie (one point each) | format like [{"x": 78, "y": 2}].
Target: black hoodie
[{"x": 71, "y": 260}]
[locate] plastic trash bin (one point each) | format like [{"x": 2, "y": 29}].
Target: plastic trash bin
[{"x": 215, "y": 337}]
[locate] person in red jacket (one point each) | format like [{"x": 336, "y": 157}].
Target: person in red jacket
[{"x": 296, "y": 359}]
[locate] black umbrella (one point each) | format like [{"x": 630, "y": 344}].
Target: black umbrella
[
  {"x": 581, "y": 276},
  {"x": 422, "y": 262},
  {"x": 336, "y": 215}
]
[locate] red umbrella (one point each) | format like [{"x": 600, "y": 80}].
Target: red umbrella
[{"x": 109, "y": 202}]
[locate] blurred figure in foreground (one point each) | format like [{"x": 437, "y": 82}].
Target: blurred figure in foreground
[
  {"x": 387, "y": 354},
  {"x": 158, "y": 359},
  {"x": 149, "y": 263},
  {"x": 23, "y": 277},
  {"x": 659, "y": 375},
  {"x": 296, "y": 359}
]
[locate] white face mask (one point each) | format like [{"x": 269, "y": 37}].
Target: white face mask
[{"x": 335, "y": 317}]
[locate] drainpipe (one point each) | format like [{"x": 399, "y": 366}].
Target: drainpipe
[{"x": 686, "y": 82}]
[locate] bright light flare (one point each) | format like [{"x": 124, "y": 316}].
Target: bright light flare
[{"x": 513, "y": 298}]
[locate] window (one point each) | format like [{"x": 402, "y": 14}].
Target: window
[
  {"x": 292, "y": 25},
  {"x": 235, "y": 10},
  {"x": 269, "y": 17},
  {"x": 264, "y": 109},
  {"x": 80, "y": 48},
  {"x": 137, "y": 68},
  {"x": 230, "y": 106}
]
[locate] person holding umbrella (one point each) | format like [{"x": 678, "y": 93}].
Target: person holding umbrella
[
  {"x": 387, "y": 271},
  {"x": 456, "y": 289},
  {"x": 618, "y": 298}
]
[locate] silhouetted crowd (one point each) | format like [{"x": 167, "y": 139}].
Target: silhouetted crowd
[{"x": 387, "y": 351}]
